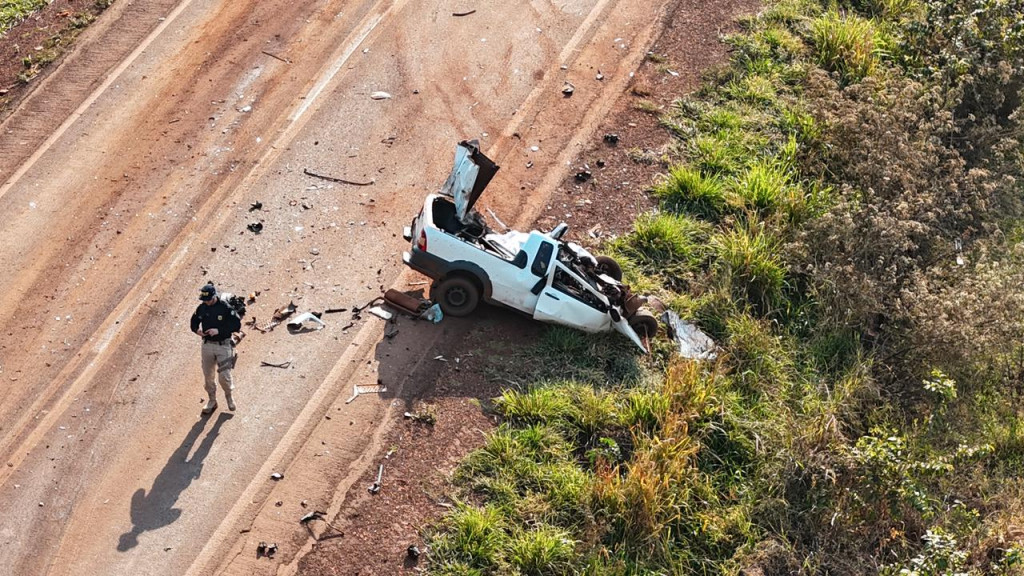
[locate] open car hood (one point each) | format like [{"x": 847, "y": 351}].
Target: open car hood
[{"x": 470, "y": 175}]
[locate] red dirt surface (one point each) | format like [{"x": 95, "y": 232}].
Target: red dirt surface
[
  {"x": 372, "y": 534},
  {"x": 127, "y": 172}
]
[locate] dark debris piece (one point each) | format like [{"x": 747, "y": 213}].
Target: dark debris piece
[
  {"x": 255, "y": 227},
  {"x": 255, "y": 206},
  {"x": 611, "y": 138}
]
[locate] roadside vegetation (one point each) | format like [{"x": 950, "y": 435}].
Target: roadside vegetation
[
  {"x": 36, "y": 48},
  {"x": 844, "y": 217}
]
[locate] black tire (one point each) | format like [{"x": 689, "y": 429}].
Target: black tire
[
  {"x": 644, "y": 324},
  {"x": 457, "y": 295},
  {"x": 608, "y": 265}
]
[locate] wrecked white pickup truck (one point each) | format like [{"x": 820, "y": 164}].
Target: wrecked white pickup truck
[{"x": 536, "y": 272}]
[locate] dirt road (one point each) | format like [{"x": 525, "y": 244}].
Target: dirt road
[{"x": 126, "y": 181}]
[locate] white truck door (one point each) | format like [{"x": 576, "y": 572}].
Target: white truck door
[
  {"x": 520, "y": 285},
  {"x": 558, "y": 306}
]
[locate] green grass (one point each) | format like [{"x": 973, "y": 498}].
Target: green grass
[
  {"x": 794, "y": 451},
  {"x": 845, "y": 44},
  {"x": 14, "y": 11},
  {"x": 750, "y": 261}
]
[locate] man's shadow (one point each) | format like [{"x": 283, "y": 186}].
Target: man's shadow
[{"x": 156, "y": 509}]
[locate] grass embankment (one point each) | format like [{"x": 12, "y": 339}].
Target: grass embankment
[{"x": 843, "y": 217}]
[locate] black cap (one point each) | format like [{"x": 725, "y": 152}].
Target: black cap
[{"x": 208, "y": 292}]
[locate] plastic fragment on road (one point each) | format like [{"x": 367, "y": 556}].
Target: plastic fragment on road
[
  {"x": 276, "y": 476},
  {"x": 375, "y": 487},
  {"x": 310, "y": 516},
  {"x": 299, "y": 321},
  {"x": 692, "y": 343},
  {"x": 380, "y": 95},
  {"x": 381, "y": 313},
  {"x": 433, "y": 314}
]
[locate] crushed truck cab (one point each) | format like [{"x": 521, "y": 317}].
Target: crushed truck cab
[{"x": 534, "y": 272}]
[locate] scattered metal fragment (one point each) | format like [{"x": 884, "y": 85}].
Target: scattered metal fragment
[
  {"x": 335, "y": 310},
  {"x": 583, "y": 175},
  {"x": 261, "y": 549},
  {"x": 381, "y": 313},
  {"x": 275, "y": 56},
  {"x": 255, "y": 206},
  {"x": 692, "y": 342},
  {"x": 568, "y": 89},
  {"x": 284, "y": 364},
  {"x": 391, "y": 331},
  {"x": 496, "y": 219},
  {"x": 611, "y": 138},
  {"x": 599, "y": 76},
  {"x": 271, "y": 550},
  {"x": 276, "y": 476},
  {"x": 255, "y": 227},
  {"x": 380, "y": 95},
  {"x": 309, "y": 172},
  {"x": 466, "y": 13},
  {"x": 413, "y": 551},
  {"x": 375, "y": 487}
]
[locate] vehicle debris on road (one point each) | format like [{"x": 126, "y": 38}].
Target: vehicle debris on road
[
  {"x": 264, "y": 549},
  {"x": 298, "y": 323},
  {"x": 309, "y": 172},
  {"x": 406, "y": 303},
  {"x": 380, "y": 95},
  {"x": 255, "y": 227},
  {"x": 375, "y": 487},
  {"x": 276, "y": 476},
  {"x": 310, "y": 516},
  {"x": 284, "y": 364}
]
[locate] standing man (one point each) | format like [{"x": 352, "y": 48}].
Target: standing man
[{"x": 215, "y": 321}]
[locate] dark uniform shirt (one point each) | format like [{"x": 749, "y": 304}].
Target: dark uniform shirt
[{"x": 219, "y": 316}]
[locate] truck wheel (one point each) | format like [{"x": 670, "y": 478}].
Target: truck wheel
[
  {"x": 644, "y": 324},
  {"x": 457, "y": 295},
  {"x": 608, "y": 265}
]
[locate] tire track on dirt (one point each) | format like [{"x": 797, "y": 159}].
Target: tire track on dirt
[{"x": 43, "y": 116}]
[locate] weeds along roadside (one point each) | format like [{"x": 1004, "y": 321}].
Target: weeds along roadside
[
  {"x": 40, "y": 46},
  {"x": 843, "y": 216}
]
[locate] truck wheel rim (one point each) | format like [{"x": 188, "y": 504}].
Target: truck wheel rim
[{"x": 456, "y": 297}]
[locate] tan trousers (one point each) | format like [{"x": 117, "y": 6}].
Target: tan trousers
[{"x": 218, "y": 357}]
